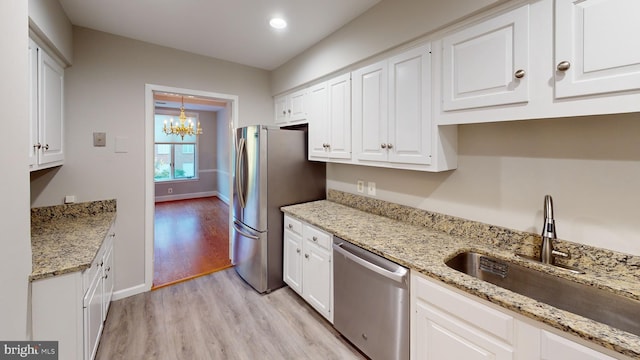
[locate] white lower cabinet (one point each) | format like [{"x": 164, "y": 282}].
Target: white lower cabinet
[
  {"x": 448, "y": 324},
  {"x": 307, "y": 264},
  {"x": 72, "y": 308}
]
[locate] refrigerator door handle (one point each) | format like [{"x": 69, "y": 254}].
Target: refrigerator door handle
[
  {"x": 237, "y": 226},
  {"x": 240, "y": 173}
]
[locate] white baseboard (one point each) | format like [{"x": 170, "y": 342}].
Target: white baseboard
[
  {"x": 223, "y": 198},
  {"x": 134, "y": 290},
  {"x": 186, "y": 196}
]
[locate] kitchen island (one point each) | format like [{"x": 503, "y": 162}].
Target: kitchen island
[{"x": 423, "y": 241}]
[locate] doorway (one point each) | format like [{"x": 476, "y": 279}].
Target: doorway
[{"x": 190, "y": 205}]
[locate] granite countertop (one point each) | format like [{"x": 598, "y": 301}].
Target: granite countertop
[
  {"x": 66, "y": 238},
  {"x": 423, "y": 241}
]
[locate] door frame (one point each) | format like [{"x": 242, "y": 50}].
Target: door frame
[{"x": 149, "y": 192}]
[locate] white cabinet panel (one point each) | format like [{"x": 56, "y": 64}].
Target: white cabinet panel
[
  {"x": 594, "y": 37},
  {"x": 554, "y": 347},
  {"x": 370, "y": 112},
  {"x": 487, "y": 64},
  {"x": 330, "y": 119},
  {"x": 410, "y": 107},
  {"x": 307, "y": 264},
  {"x": 46, "y": 109},
  {"x": 291, "y": 108}
]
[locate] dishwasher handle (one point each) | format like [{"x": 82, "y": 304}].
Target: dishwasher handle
[{"x": 399, "y": 275}]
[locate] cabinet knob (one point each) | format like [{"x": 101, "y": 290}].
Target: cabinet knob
[
  {"x": 389, "y": 146},
  {"x": 315, "y": 238},
  {"x": 298, "y": 251},
  {"x": 37, "y": 146},
  {"x": 289, "y": 111},
  {"x": 306, "y": 256},
  {"x": 290, "y": 226},
  {"x": 563, "y": 66},
  {"x": 106, "y": 276},
  {"x": 519, "y": 74},
  {"x": 109, "y": 268},
  {"x": 284, "y": 112},
  {"x": 46, "y": 146},
  {"x": 383, "y": 146}
]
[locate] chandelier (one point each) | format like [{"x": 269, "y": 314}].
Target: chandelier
[{"x": 184, "y": 127}]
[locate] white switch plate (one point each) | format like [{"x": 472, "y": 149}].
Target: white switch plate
[
  {"x": 360, "y": 186},
  {"x": 371, "y": 188}
]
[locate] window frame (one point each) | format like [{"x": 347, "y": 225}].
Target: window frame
[{"x": 196, "y": 152}]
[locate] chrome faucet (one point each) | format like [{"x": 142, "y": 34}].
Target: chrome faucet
[{"x": 547, "y": 253}]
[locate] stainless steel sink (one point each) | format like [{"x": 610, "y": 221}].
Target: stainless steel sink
[{"x": 584, "y": 300}]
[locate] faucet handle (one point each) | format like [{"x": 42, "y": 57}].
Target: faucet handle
[{"x": 562, "y": 254}]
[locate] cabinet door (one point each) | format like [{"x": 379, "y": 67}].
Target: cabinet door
[
  {"x": 281, "y": 107},
  {"x": 482, "y": 64},
  {"x": 93, "y": 318},
  {"x": 339, "y": 116},
  {"x": 33, "y": 104},
  {"x": 292, "y": 265},
  {"x": 317, "y": 278},
  {"x": 370, "y": 112},
  {"x": 107, "y": 282},
  {"x": 297, "y": 105},
  {"x": 409, "y": 138},
  {"x": 318, "y": 121},
  {"x": 440, "y": 336},
  {"x": 51, "y": 109},
  {"x": 554, "y": 347},
  {"x": 597, "y": 40}
]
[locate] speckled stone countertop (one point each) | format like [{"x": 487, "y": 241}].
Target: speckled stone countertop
[
  {"x": 66, "y": 238},
  {"x": 423, "y": 241}
]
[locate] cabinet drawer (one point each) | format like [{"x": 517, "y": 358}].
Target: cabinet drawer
[
  {"x": 292, "y": 224},
  {"x": 317, "y": 236},
  {"x": 480, "y": 316}
]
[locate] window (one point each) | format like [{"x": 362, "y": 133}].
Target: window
[{"x": 174, "y": 158}]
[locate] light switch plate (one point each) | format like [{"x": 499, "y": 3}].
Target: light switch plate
[
  {"x": 99, "y": 139},
  {"x": 122, "y": 144}
]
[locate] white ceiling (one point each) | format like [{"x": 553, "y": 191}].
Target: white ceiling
[{"x": 233, "y": 30}]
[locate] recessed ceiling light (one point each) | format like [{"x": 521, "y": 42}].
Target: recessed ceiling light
[{"x": 278, "y": 23}]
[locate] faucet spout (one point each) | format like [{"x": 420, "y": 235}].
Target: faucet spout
[{"x": 548, "y": 232}]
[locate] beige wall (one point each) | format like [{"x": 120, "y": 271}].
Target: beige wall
[
  {"x": 105, "y": 91},
  {"x": 48, "y": 20},
  {"x": 15, "y": 242},
  {"x": 591, "y": 165},
  {"x": 384, "y": 26}
]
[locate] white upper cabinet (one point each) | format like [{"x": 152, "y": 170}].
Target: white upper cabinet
[
  {"x": 487, "y": 63},
  {"x": 409, "y": 139},
  {"x": 330, "y": 119},
  {"x": 392, "y": 121},
  {"x": 291, "y": 108},
  {"x": 46, "y": 117},
  {"x": 596, "y": 48},
  {"x": 370, "y": 112}
]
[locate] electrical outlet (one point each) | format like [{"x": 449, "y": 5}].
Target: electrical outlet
[
  {"x": 360, "y": 186},
  {"x": 371, "y": 188},
  {"x": 170, "y": 190}
]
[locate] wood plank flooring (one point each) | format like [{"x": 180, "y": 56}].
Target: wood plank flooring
[
  {"x": 219, "y": 316},
  {"x": 191, "y": 239}
]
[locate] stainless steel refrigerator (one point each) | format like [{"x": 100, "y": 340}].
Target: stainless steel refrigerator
[{"x": 271, "y": 170}]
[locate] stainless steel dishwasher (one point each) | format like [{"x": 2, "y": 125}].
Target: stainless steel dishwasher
[{"x": 371, "y": 301}]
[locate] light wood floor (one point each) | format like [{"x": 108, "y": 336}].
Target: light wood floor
[
  {"x": 219, "y": 316},
  {"x": 191, "y": 239}
]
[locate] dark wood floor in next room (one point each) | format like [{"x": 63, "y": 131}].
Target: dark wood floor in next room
[{"x": 191, "y": 239}]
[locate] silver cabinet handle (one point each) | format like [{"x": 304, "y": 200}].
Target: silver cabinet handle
[
  {"x": 315, "y": 238},
  {"x": 306, "y": 256},
  {"x": 519, "y": 74},
  {"x": 563, "y": 66},
  {"x": 389, "y": 146},
  {"x": 284, "y": 112},
  {"x": 383, "y": 146},
  {"x": 298, "y": 251},
  {"x": 289, "y": 111},
  {"x": 46, "y": 147},
  {"x": 290, "y": 226},
  {"x": 37, "y": 146}
]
